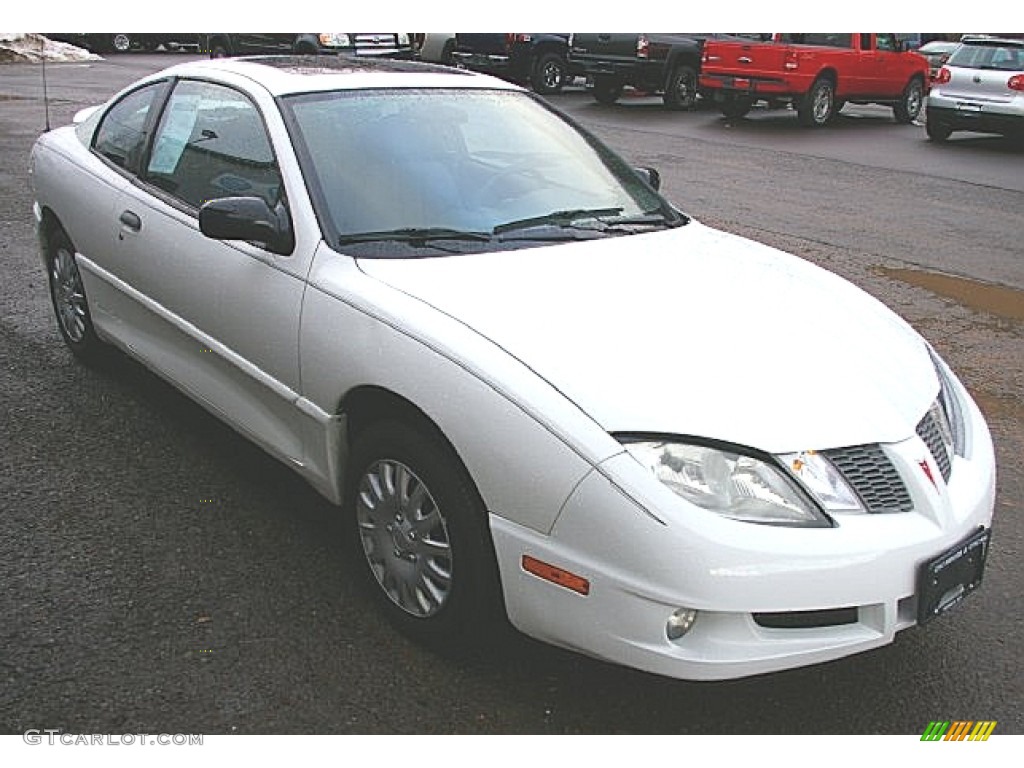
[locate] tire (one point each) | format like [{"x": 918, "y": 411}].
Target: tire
[
  {"x": 736, "y": 107},
  {"x": 548, "y": 74},
  {"x": 121, "y": 42},
  {"x": 817, "y": 108},
  {"x": 907, "y": 109},
  {"x": 422, "y": 533},
  {"x": 219, "y": 50},
  {"x": 446, "y": 53},
  {"x": 607, "y": 90},
  {"x": 681, "y": 88},
  {"x": 70, "y": 304},
  {"x": 937, "y": 131}
]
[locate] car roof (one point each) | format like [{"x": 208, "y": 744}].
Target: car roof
[
  {"x": 991, "y": 40},
  {"x": 282, "y": 75}
]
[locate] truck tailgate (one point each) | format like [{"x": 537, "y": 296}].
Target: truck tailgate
[
  {"x": 745, "y": 58},
  {"x": 604, "y": 46}
]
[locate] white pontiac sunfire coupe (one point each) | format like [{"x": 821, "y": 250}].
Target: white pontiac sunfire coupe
[{"x": 534, "y": 388}]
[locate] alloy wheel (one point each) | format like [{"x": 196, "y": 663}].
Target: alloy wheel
[{"x": 68, "y": 295}]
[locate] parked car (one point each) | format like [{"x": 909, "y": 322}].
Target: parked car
[
  {"x": 123, "y": 42},
  {"x": 435, "y": 46},
  {"x": 387, "y": 44},
  {"x": 533, "y": 387},
  {"x": 937, "y": 51},
  {"x": 817, "y": 73},
  {"x": 665, "y": 63},
  {"x": 537, "y": 59},
  {"x": 979, "y": 88}
]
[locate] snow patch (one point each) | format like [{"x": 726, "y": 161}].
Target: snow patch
[{"x": 28, "y": 46}]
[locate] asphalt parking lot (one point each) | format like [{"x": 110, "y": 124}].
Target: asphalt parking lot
[{"x": 162, "y": 575}]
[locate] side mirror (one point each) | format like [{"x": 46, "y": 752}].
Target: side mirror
[
  {"x": 248, "y": 218},
  {"x": 651, "y": 176}
]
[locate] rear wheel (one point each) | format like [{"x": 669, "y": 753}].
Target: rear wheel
[
  {"x": 908, "y": 107},
  {"x": 548, "y": 75},
  {"x": 607, "y": 90},
  {"x": 681, "y": 88},
  {"x": 818, "y": 106},
  {"x": 423, "y": 534},
  {"x": 936, "y": 130}
]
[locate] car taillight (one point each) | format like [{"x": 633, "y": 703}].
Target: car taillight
[
  {"x": 792, "y": 60},
  {"x": 643, "y": 46},
  {"x": 1016, "y": 83},
  {"x": 943, "y": 76},
  {"x": 511, "y": 38}
]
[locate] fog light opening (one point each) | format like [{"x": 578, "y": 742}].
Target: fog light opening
[{"x": 680, "y": 622}]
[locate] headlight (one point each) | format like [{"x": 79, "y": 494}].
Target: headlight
[
  {"x": 403, "y": 38},
  {"x": 335, "y": 40},
  {"x": 729, "y": 483},
  {"x": 824, "y": 482},
  {"x": 955, "y": 433}
]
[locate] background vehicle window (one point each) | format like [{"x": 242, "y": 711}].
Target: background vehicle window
[
  {"x": 212, "y": 143},
  {"x": 988, "y": 56},
  {"x": 885, "y": 42},
  {"x": 121, "y": 135},
  {"x": 829, "y": 39}
]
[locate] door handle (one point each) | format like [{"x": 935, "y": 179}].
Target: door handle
[{"x": 131, "y": 221}]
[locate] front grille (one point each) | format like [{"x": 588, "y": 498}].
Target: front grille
[
  {"x": 931, "y": 429},
  {"x": 873, "y": 477}
]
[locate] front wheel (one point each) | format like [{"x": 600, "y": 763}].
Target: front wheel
[
  {"x": 70, "y": 305},
  {"x": 908, "y": 107},
  {"x": 423, "y": 533},
  {"x": 681, "y": 88},
  {"x": 818, "y": 107},
  {"x": 549, "y": 73}
]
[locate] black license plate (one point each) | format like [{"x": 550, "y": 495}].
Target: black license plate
[{"x": 946, "y": 580}]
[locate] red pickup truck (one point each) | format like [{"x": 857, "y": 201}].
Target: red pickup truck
[{"x": 817, "y": 72}]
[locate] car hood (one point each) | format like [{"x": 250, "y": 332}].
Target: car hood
[{"x": 690, "y": 332}]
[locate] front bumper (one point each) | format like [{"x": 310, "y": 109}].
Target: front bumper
[{"x": 644, "y": 560}]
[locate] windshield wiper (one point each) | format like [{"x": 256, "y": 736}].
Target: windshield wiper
[
  {"x": 415, "y": 236},
  {"x": 556, "y": 218}
]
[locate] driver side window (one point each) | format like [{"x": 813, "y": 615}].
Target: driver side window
[{"x": 212, "y": 143}]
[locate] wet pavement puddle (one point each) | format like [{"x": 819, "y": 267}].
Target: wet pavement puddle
[{"x": 984, "y": 297}]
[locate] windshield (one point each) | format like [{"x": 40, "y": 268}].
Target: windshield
[{"x": 463, "y": 170}]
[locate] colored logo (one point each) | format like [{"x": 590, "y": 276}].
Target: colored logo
[{"x": 958, "y": 730}]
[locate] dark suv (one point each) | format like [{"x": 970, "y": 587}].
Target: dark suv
[{"x": 389, "y": 44}]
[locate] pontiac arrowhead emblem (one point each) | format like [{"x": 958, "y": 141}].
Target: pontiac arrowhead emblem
[{"x": 923, "y": 463}]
